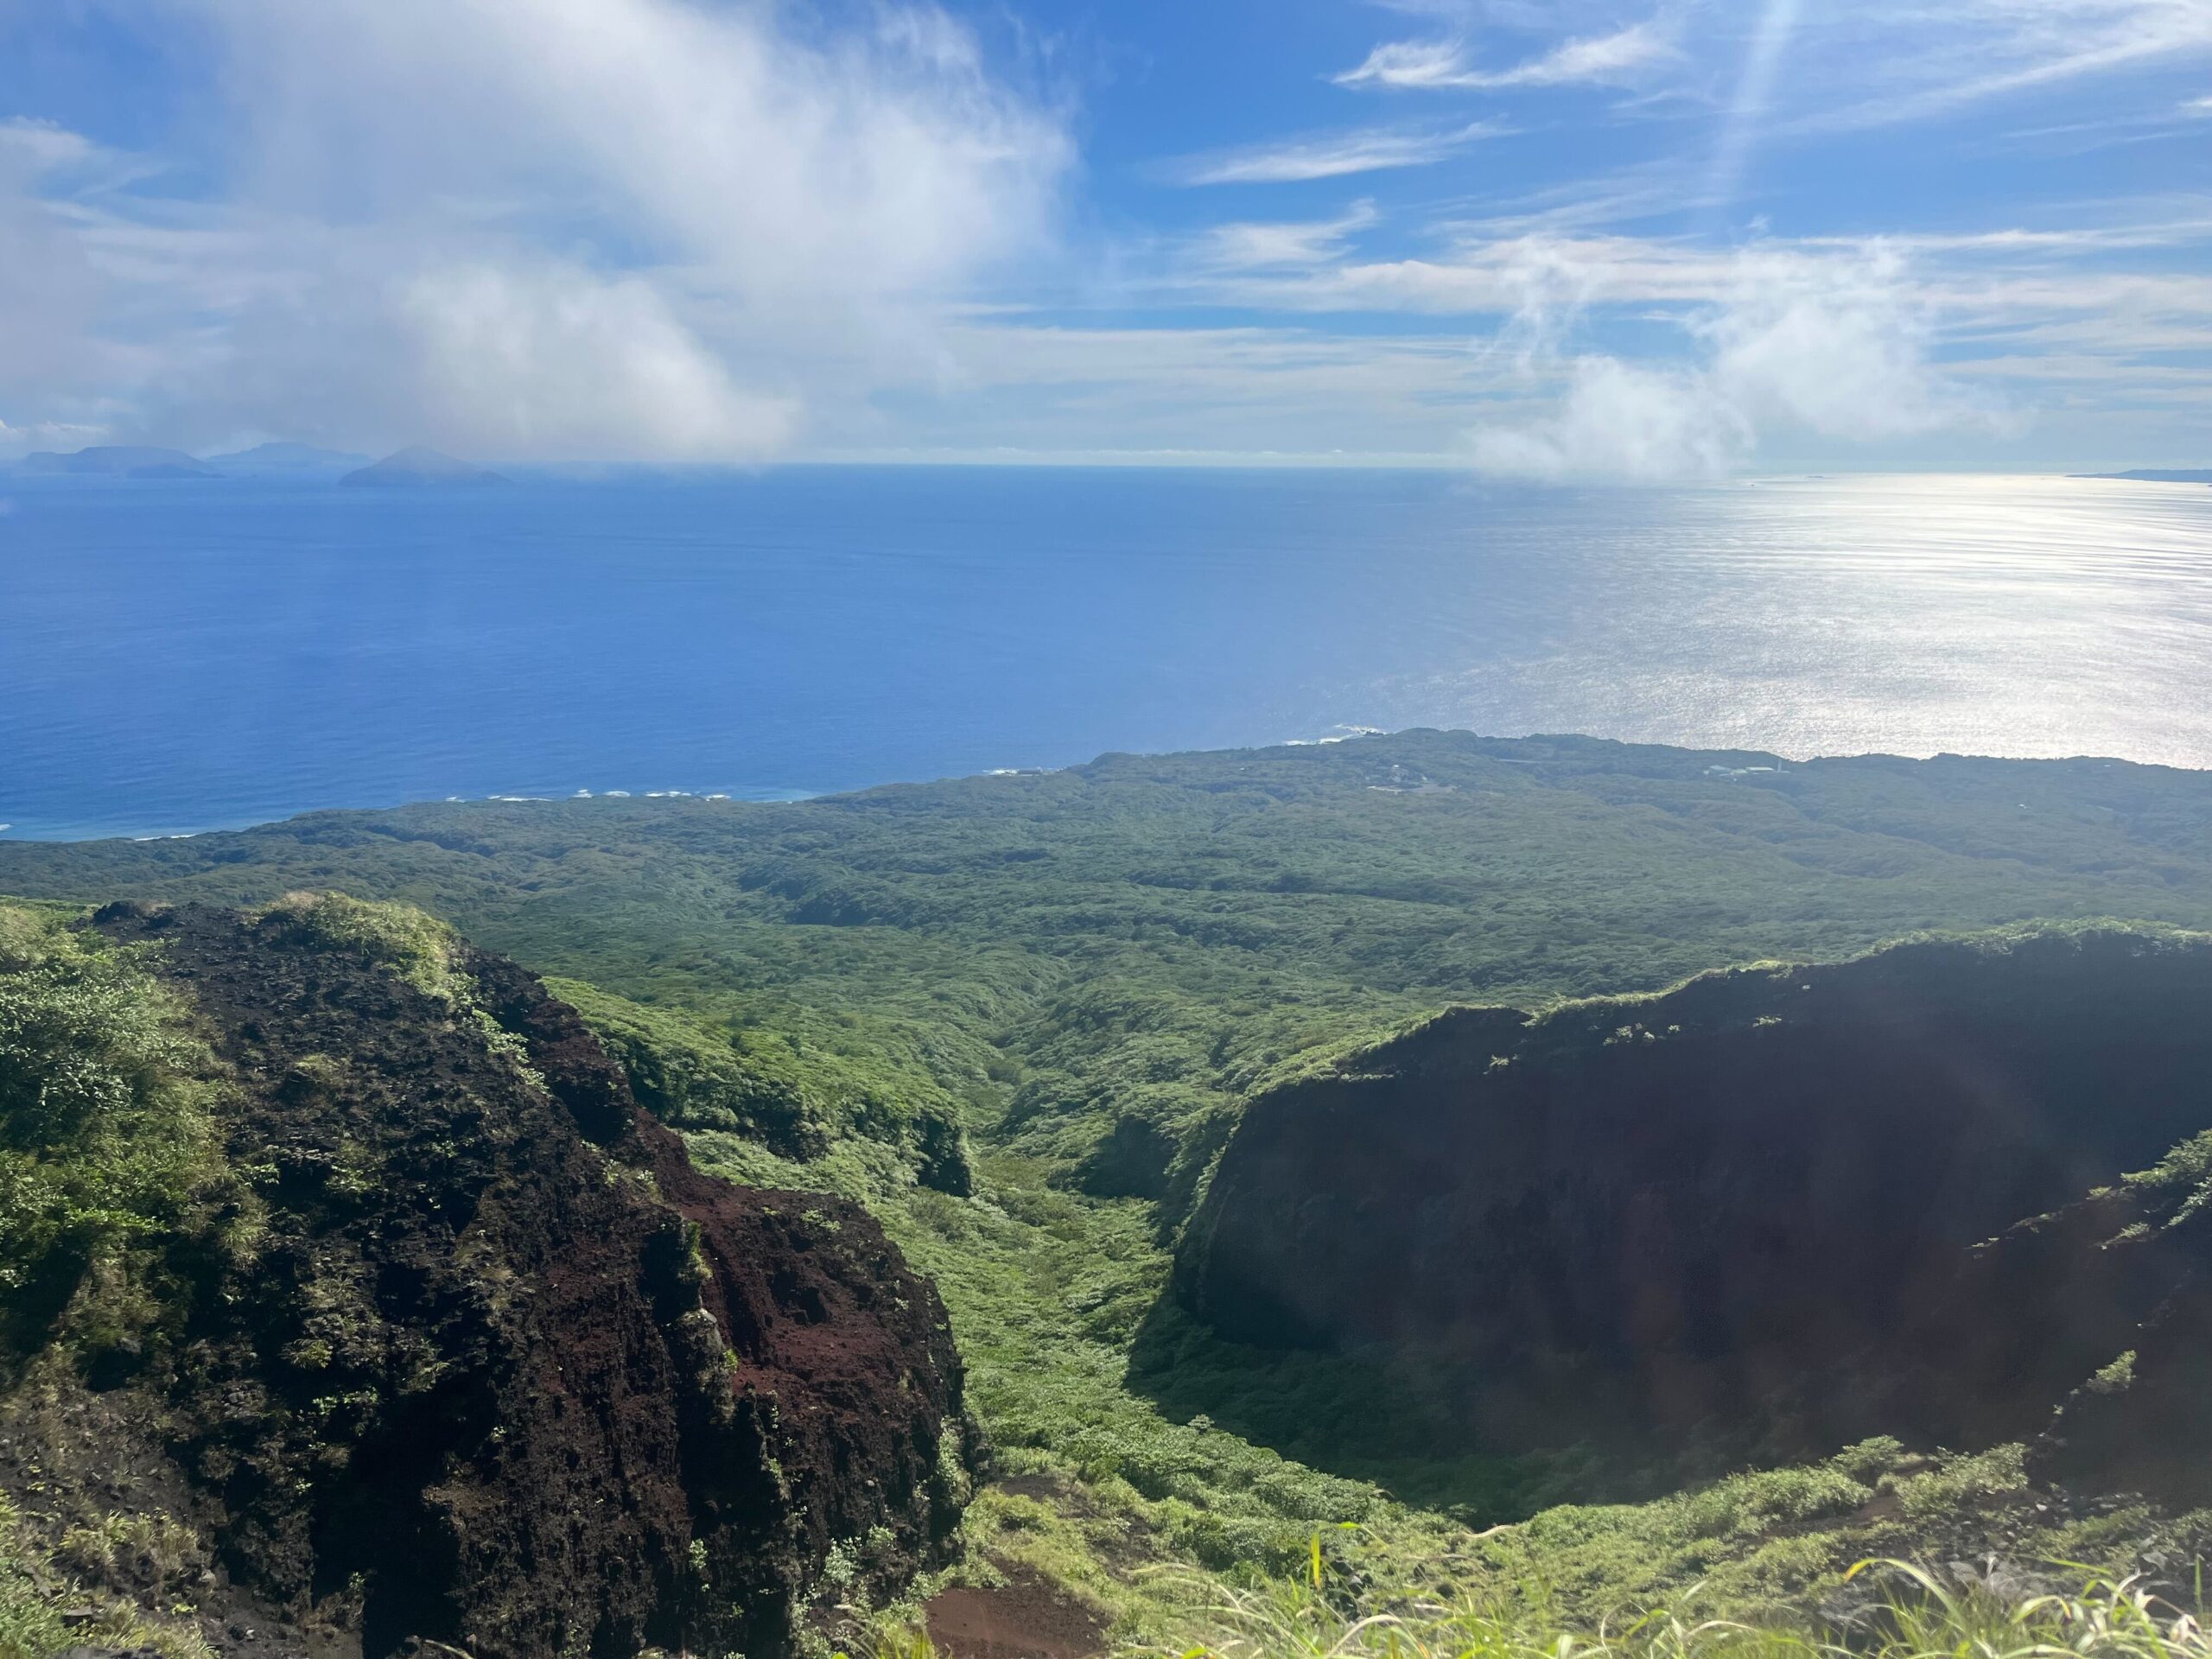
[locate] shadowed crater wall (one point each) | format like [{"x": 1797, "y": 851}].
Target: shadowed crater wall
[{"x": 1771, "y": 1211}]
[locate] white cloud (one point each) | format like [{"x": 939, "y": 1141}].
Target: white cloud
[
  {"x": 1620, "y": 422},
  {"x": 726, "y": 228},
  {"x": 1874, "y": 63},
  {"x": 525, "y": 228},
  {"x": 1332, "y": 156},
  {"x": 1885, "y": 61},
  {"x": 1298, "y": 243},
  {"x": 1431, "y": 65},
  {"x": 1843, "y": 347},
  {"x": 559, "y": 362},
  {"x": 1408, "y": 63},
  {"x": 49, "y": 291},
  {"x": 42, "y": 145},
  {"x": 1839, "y": 347}
]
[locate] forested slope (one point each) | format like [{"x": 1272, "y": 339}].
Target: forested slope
[
  {"x": 1019, "y": 1016},
  {"x": 1145, "y": 937}
]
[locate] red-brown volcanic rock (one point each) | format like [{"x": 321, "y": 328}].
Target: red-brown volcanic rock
[{"x": 506, "y": 1371}]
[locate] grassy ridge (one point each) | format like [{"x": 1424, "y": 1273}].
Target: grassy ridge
[
  {"x": 1085, "y": 973},
  {"x": 1905, "y": 1613}
]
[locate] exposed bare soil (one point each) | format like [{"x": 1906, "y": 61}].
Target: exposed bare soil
[{"x": 1024, "y": 1618}]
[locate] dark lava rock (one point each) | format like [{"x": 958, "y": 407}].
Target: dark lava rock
[
  {"x": 1773, "y": 1211},
  {"x": 505, "y": 1372}
]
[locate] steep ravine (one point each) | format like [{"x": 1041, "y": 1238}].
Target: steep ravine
[
  {"x": 496, "y": 1367},
  {"x": 1769, "y": 1212}
]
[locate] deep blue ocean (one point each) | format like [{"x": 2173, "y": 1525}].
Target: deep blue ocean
[{"x": 179, "y": 656}]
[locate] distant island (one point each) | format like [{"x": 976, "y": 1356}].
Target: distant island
[
  {"x": 413, "y": 467},
  {"x": 2159, "y": 476},
  {"x": 286, "y": 460},
  {"x": 417, "y": 468},
  {"x": 119, "y": 461}
]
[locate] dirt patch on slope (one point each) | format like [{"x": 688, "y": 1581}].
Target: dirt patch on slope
[{"x": 1027, "y": 1617}]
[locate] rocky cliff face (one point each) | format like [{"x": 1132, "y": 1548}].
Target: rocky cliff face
[
  {"x": 498, "y": 1368},
  {"x": 1774, "y": 1210}
]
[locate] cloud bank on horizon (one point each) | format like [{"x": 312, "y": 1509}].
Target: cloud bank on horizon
[{"x": 1639, "y": 239}]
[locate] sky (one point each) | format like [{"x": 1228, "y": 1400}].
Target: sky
[{"x": 1620, "y": 240}]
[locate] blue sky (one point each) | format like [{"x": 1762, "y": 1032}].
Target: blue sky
[{"x": 1650, "y": 239}]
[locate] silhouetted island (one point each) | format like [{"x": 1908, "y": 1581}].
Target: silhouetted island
[
  {"x": 286, "y": 460},
  {"x": 417, "y": 468},
  {"x": 119, "y": 461}
]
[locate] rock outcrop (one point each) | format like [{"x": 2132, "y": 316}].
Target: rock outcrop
[
  {"x": 500, "y": 1368},
  {"x": 1773, "y": 1211}
]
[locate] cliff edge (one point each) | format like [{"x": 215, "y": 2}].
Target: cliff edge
[
  {"x": 427, "y": 1334},
  {"x": 1768, "y": 1213}
]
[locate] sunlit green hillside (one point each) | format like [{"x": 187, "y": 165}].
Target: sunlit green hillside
[{"x": 1080, "y": 975}]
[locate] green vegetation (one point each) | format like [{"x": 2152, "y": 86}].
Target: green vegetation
[
  {"x": 1914, "y": 1614},
  {"x": 797, "y": 1101},
  {"x": 1082, "y": 975},
  {"x": 122, "y": 1580},
  {"x": 1142, "y": 941},
  {"x": 105, "y": 1136},
  {"x": 417, "y": 947}
]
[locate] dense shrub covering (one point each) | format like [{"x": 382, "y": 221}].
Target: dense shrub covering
[
  {"x": 105, "y": 1136},
  {"x": 755, "y": 1086}
]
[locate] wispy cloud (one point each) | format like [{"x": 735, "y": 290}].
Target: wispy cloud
[
  {"x": 1443, "y": 64},
  {"x": 1332, "y": 156},
  {"x": 43, "y": 145},
  {"x": 1978, "y": 50},
  {"x": 1297, "y": 244},
  {"x": 1747, "y": 111}
]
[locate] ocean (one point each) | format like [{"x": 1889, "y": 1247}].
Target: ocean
[{"x": 182, "y": 656}]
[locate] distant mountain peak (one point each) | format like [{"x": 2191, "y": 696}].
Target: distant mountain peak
[{"x": 417, "y": 466}]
